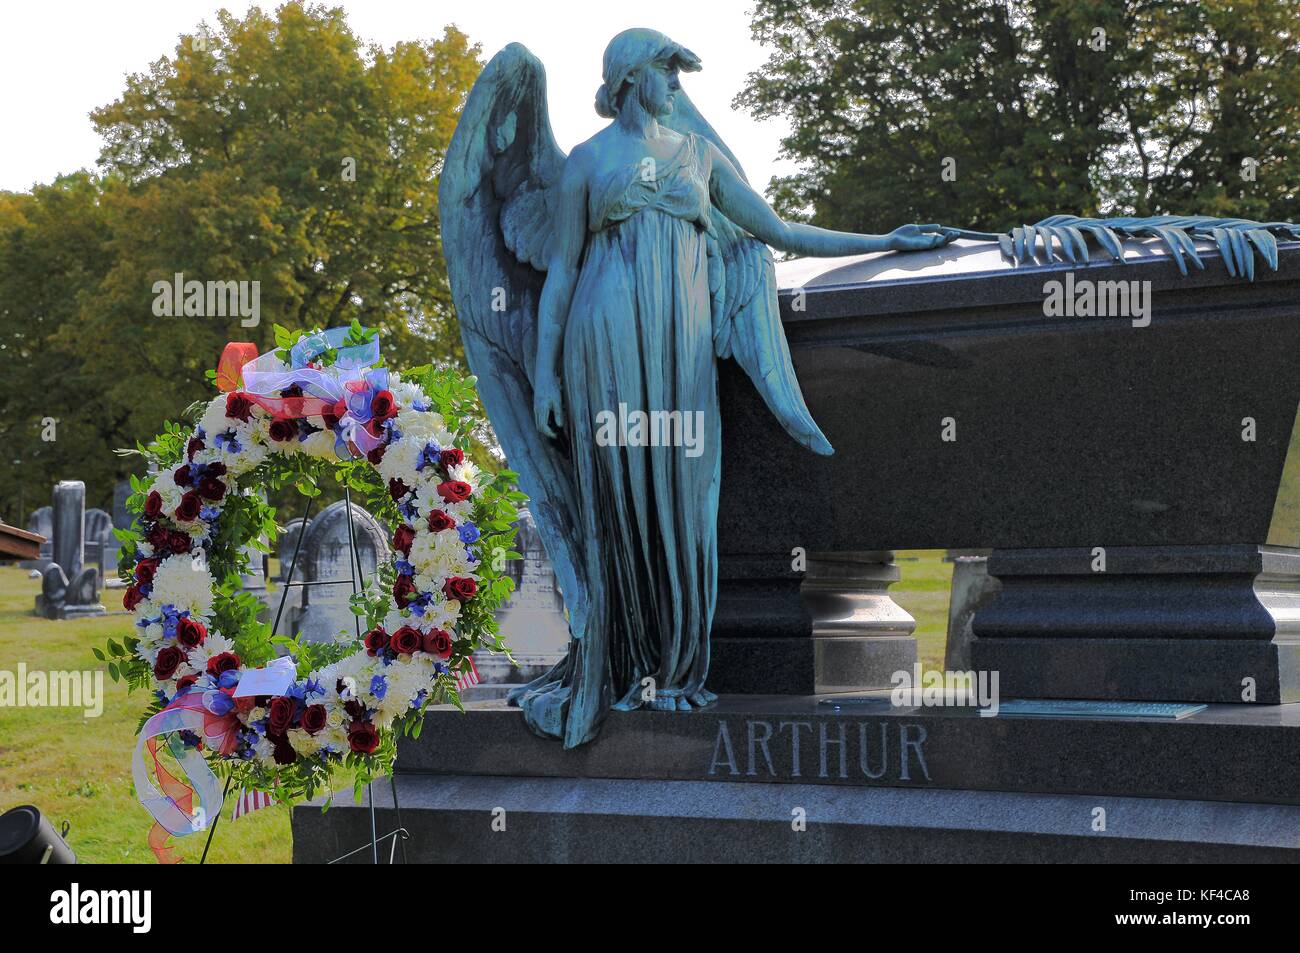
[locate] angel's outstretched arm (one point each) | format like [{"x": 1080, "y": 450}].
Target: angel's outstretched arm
[
  {"x": 736, "y": 200},
  {"x": 570, "y": 233}
]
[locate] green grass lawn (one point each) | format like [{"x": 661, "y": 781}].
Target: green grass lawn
[
  {"x": 79, "y": 769},
  {"x": 923, "y": 591}
]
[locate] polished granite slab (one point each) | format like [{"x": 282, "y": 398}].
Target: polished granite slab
[{"x": 1223, "y": 752}]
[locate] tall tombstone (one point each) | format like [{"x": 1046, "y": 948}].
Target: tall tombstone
[
  {"x": 122, "y": 519},
  {"x": 531, "y": 620},
  {"x": 326, "y": 557},
  {"x": 69, "y": 589},
  {"x": 286, "y": 546},
  {"x": 971, "y": 586},
  {"x": 100, "y": 543},
  {"x": 41, "y": 522}
]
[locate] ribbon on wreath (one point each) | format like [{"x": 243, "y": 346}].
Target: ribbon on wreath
[
  {"x": 343, "y": 391},
  {"x": 172, "y": 807}
]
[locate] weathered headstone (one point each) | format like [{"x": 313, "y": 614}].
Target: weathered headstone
[
  {"x": 285, "y": 546},
  {"x": 971, "y": 585},
  {"x": 41, "y": 522},
  {"x": 532, "y": 620},
  {"x": 68, "y": 588},
  {"x": 100, "y": 543},
  {"x": 326, "y": 558},
  {"x": 122, "y": 519}
]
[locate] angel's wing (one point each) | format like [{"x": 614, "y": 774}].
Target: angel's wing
[
  {"x": 496, "y": 232},
  {"x": 749, "y": 325}
]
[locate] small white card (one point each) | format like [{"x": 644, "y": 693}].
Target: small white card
[{"x": 275, "y": 679}]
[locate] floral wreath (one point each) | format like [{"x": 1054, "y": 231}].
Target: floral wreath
[{"x": 320, "y": 401}]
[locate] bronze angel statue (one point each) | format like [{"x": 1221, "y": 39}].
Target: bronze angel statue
[{"x": 610, "y": 279}]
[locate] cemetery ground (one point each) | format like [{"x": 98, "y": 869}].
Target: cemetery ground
[{"x": 79, "y": 769}]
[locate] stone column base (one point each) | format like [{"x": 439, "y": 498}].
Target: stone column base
[
  {"x": 1187, "y": 623},
  {"x": 837, "y": 631}
]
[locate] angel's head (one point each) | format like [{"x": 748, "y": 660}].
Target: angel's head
[{"x": 642, "y": 65}]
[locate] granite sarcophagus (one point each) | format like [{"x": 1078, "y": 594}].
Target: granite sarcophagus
[{"x": 1123, "y": 438}]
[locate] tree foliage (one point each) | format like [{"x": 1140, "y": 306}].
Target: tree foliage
[
  {"x": 275, "y": 148},
  {"x": 1087, "y": 107}
]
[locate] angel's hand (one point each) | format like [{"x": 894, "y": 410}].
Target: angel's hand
[
  {"x": 920, "y": 237},
  {"x": 547, "y": 406}
]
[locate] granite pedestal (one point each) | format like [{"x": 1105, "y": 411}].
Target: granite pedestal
[{"x": 871, "y": 782}]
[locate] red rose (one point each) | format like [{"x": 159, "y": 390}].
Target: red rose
[
  {"x": 362, "y": 737},
  {"x": 382, "y": 404},
  {"x": 438, "y": 521},
  {"x": 376, "y": 640},
  {"x": 238, "y": 406},
  {"x": 406, "y": 640},
  {"x": 451, "y": 457},
  {"x": 145, "y": 570},
  {"x": 169, "y": 659},
  {"x": 377, "y": 454},
  {"x": 182, "y": 475},
  {"x": 313, "y": 718},
  {"x": 283, "y": 752},
  {"x": 188, "y": 509},
  {"x": 403, "y": 537},
  {"x": 460, "y": 588},
  {"x": 131, "y": 598},
  {"x": 282, "y": 430},
  {"x": 225, "y": 662},
  {"x": 193, "y": 447},
  {"x": 280, "y": 715},
  {"x": 335, "y": 411},
  {"x": 186, "y": 682},
  {"x": 375, "y": 427},
  {"x": 454, "y": 491},
  {"x": 216, "y": 469},
  {"x": 179, "y": 542},
  {"x": 190, "y": 633},
  {"x": 210, "y": 488},
  {"x": 397, "y": 489},
  {"x": 157, "y": 537},
  {"x": 437, "y": 642},
  {"x": 153, "y": 506},
  {"x": 402, "y": 590}
]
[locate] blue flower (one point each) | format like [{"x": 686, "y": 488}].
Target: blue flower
[
  {"x": 379, "y": 686},
  {"x": 404, "y": 568},
  {"x": 468, "y": 533},
  {"x": 429, "y": 455}
]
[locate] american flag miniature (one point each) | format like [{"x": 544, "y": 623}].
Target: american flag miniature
[
  {"x": 465, "y": 679},
  {"x": 246, "y": 802}
]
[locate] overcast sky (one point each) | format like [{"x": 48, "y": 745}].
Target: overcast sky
[{"x": 59, "y": 59}]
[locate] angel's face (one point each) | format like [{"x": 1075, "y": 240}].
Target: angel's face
[{"x": 658, "y": 86}]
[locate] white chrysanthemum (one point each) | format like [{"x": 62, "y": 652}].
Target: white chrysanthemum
[
  {"x": 212, "y": 646},
  {"x": 405, "y": 393},
  {"x": 319, "y": 445},
  {"x": 184, "y": 583},
  {"x": 214, "y": 418},
  {"x": 423, "y": 427},
  {"x": 465, "y": 472},
  {"x": 165, "y": 485},
  {"x": 399, "y": 460}
]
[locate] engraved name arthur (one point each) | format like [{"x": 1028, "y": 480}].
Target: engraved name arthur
[{"x": 885, "y": 750}]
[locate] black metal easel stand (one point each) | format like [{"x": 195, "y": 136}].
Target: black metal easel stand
[{"x": 400, "y": 834}]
